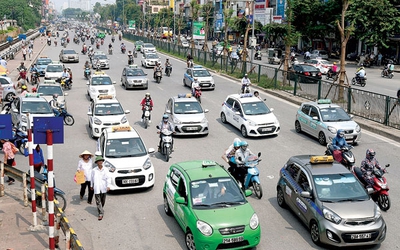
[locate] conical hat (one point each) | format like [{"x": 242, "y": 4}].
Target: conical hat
[{"x": 86, "y": 152}]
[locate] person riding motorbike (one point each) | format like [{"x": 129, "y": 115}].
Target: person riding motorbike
[
  {"x": 110, "y": 48},
  {"x": 34, "y": 72},
  {"x": 360, "y": 73},
  {"x": 84, "y": 48},
  {"x": 156, "y": 69},
  {"x": 195, "y": 85},
  {"x": 146, "y": 101},
  {"x": 113, "y": 38},
  {"x": 368, "y": 165},
  {"x": 168, "y": 64},
  {"x": 165, "y": 124},
  {"x": 229, "y": 157},
  {"x": 130, "y": 58},
  {"x": 55, "y": 105},
  {"x": 97, "y": 44},
  {"x": 123, "y": 47},
  {"x": 87, "y": 65},
  {"x": 70, "y": 76},
  {"x": 245, "y": 82},
  {"x": 240, "y": 155},
  {"x": 120, "y": 37},
  {"x": 22, "y": 72},
  {"x": 333, "y": 70},
  {"x": 389, "y": 68},
  {"x": 188, "y": 59},
  {"x": 338, "y": 142},
  {"x": 49, "y": 41},
  {"x": 65, "y": 75}
]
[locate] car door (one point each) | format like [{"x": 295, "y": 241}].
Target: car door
[
  {"x": 314, "y": 122},
  {"x": 290, "y": 177},
  {"x": 170, "y": 187},
  {"x": 188, "y": 77},
  {"x": 304, "y": 118},
  {"x": 228, "y": 109},
  {"x": 237, "y": 115},
  {"x": 182, "y": 211}
]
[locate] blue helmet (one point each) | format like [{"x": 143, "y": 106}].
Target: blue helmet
[
  {"x": 244, "y": 144},
  {"x": 165, "y": 117},
  {"x": 237, "y": 144},
  {"x": 340, "y": 133}
]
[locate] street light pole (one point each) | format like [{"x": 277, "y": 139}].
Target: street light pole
[{"x": 252, "y": 34}]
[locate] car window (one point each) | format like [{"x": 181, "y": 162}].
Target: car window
[
  {"x": 134, "y": 72},
  {"x": 305, "y": 109},
  {"x": 3, "y": 81},
  {"x": 188, "y": 71},
  {"x": 152, "y": 56},
  {"x": 309, "y": 68},
  {"x": 303, "y": 181},
  {"x": 49, "y": 90},
  {"x": 334, "y": 114},
  {"x": 182, "y": 188},
  {"x": 54, "y": 68},
  {"x": 101, "y": 81},
  {"x": 174, "y": 177},
  {"x": 69, "y": 52},
  {"x": 229, "y": 102},
  {"x": 314, "y": 112},
  {"x": 255, "y": 108},
  {"x": 201, "y": 73},
  {"x": 125, "y": 147},
  {"x": 293, "y": 170},
  {"x": 43, "y": 62},
  {"x": 187, "y": 108},
  {"x": 36, "y": 107},
  {"x": 108, "y": 109},
  {"x": 237, "y": 108}
]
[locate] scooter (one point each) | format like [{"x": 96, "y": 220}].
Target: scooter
[
  {"x": 190, "y": 63},
  {"x": 385, "y": 73},
  {"x": 59, "y": 195},
  {"x": 87, "y": 73},
  {"x": 245, "y": 90},
  {"x": 110, "y": 51},
  {"x": 62, "y": 83},
  {"x": 19, "y": 139},
  {"x": 49, "y": 42},
  {"x": 251, "y": 162},
  {"x": 92, "y": 41},
  {"x": 197, "y": 94},
  {"x": 347, "y": 158},
  {"x": 358, "y": 80},
  {"x": 134, "y": 53},
  {"x": 97, "y": 45},
  {"x": 332, "y": 75},
  {"x": 158, "y": 76},
  {"x": 123, "y": 49},
  {"x": 166, "y": 143},
  {"x": 380, "y": 189},
  {"x": 68, "y": 118},
  {"x": 257, "y": 55},
  {"x": 34, "y": 77},
  {"x": 168, "y": 70},
  {"x": 130, "y": 59},
  {"x": 147, "y": 113},
  {"x": 112, "y": 39}
]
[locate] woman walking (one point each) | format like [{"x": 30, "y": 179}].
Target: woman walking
[{"x": 85, "y": 164}]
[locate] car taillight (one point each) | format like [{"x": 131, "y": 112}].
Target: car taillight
[
  {"x": 319, "y": 73},
  {"x": 306, "y": 73}
]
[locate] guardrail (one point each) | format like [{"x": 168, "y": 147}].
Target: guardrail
[
  {"x": 62, "y": 222},
  {"x": 9, "y": 49}
]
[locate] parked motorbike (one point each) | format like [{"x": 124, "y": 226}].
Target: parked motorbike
[
  {"x": 168, "y": 70},
  {"x": 380, "y": 189},
  {"x": 347, "y": 158},
  {"x": 87, "y": 73},
  {"x": 68, "y": 118},
  {"x": 158, "y": 76},
  {"x": 59, "y": 195},
  {"x": 257, "y": 55},
  {"x": 251, "y": 162},
  {"x": 147, "y": 113},
  {"x": 197, "y": 94},
  {"x": 358, "y": 80},
  {"x": 166, "y": 143},
  {"x": 385, "y": 73}
]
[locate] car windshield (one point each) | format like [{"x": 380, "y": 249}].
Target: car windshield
[
  {"x": 108, "y": 109},
  {"x": 125, "y": 147},
  {"x": 49, "y": 90},
  {"x": 255, "y": 108},
  {"x": 43, "y": 61},
  {"x": 339, "y": 187},
  {"x": 201, "y": 73},
  {"x": 152, "y": 56},
  {"x": 36, "y": 107},
  {"x": 69, "y": 51},
  {"x": 135, "y": 72},
  {"x": 308, "y": 68},
  {"x": 54, "y": 68},
  {"x": 215, "y": 192},
  {"x": 101, "y": 81},
  {"x": 139, "y": 43},
  {"x": 187, "y": 108},
  {"x": 100, "y": 56},
  {"x": 334, "y": 115},
  {"x": 148, "y": 46}
]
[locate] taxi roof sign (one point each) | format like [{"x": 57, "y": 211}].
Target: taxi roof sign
[
  {"x": 49, "y": 81},
  {"x": 246, "y": 95},
  {"x": 31, "y": 95},
  {"x": 324, "y": 101},
  {"x": 321, "y": 159},
  {"x": 100, "y": 72},
  {"x": 206, "y": 164},
  {"x": 103, "y": 97},
  {"x": 133, "y": 66},
  {"x": 185, "y": 95},
  {"x": 121, "y": 128}
]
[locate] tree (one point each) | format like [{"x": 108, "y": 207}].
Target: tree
[
  {"x": 195, "y": 9},
  {"x": 207, "y": 13}
]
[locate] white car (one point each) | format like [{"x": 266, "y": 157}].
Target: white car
[
  {"x": 8, "y": 89},
  {"x": 126, "y": 158},
  {"x": 250, "y": 115},
  {"x": 150, "y": 60},
  {"x": 100, "y": 84},
  {"x": 105, "y": 112},
  {"x": 102, "y": 60},
  {"x": 321, "y": 64},
  {"x": 185, "y": 43},
  {"x": 53, "y": 71},
  {"x": 148, "y": 47},
  {"x": 48, "y": 88}
]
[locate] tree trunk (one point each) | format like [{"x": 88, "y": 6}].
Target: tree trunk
[{"x": 344, "y": 37}]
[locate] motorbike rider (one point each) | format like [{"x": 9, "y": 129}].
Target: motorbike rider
[
  {"x": 34, "y": 71},
  {"x": 156, "y": 69},
  {"x": 195, "y": 85},
  {"x": 84, "y": 48},
  {"x": 389, "y": 68},
  {"x": 87, "y": 65},
  {"x": 70, "y": 76},
  {"x": 188, "y": 59},
  {"x": 109, "y": 48},
  {"x": 240, "y": 156},
  {"x": 113, "y": 38},
  {"x": 338, "y": 142},
  {"x": 168, "y": 64},
  {"x": 368, "y": 165},
  {"x": 165, "y": 124},
  {"x": 146, "y": 101},
  {"x": 65, "y": 75},
  {"x": 333, "y": 70},
  {"x": 360, "y": 74},
  {"x": 130, "y": 58},
  {"x": 245, "y": 82},
  {"x": 48, "y": 40},
  {"x": 122, "y": 46},
  {"x": 229, "y": 157},
  {"x": 22, "y": 72},
  {"x": 55, "y": 105},
  {"x": 24, "y": 90}
]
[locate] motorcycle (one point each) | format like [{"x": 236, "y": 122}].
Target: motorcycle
[
  {"x": 123, "y": 49},
  {"x": 158, "y": 76},
  {"x": 251, "y": 162},
  {"x": 68, "y": 118},
  {"x": 83, "y": 39},
  {"x": 257, "y": 55},
  {"x": 190, "y": 63},
  {"x": 358, "y": 80},
  {"x": 84, "y": 50},
  {"x": 345, "y": 157},
  {"x": 110, "y": 50},
  {"x": 49, "y": 42},
  {"x": 19, "y": 138},
  {"x": 62, "y": 83},
  {"x": 168, "y": 70},
  {"x": 147, "y": 113},
  {"x": 92, "y": 41},
  {"x": 130, "y": 59},
  {"x": 197, "y": 94},
  {"x": 87, "y": 73},
  {"x": 59, "y": 195},
  {"x": 245, "y": 90},
  {"x": 34, "y": 77},
  {"x": 166, "y": 143},
  {"x": 386, "y": 73},
  {"x": 134, "y": 53},
  {"x": 332, "y": 75},
  {"x": 380, "y": 189},
  {"x": 97, "y": 45},
  {"x": 120, "y": 38},
  {"x": 112, "y": 39},
  {"x": 102, "y": 41}
]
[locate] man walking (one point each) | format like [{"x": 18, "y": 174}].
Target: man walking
[{"x": 100, "y": 184}]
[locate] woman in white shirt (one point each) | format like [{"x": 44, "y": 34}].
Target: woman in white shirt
[{"x": 85, "y": 164}]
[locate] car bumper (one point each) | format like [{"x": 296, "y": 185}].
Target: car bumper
[
  {"x": 150, "y": 64},
  {"x": 133, "y": 85},
  {"x": 102, "y": 66},
  {"x": 191, "y": 129},
  {"x": 70, "y": 60},
  {"x": 121, "y": 180},
  {"x": 207, "y": 85},
  {"x": 263, "y": 130},
  {"x": 340, "y": 235},
  {"x": 251, "y": 238}
]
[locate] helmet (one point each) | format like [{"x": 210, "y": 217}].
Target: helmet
[
  {"x": 196, "y": 79},
  {"x": 69, "y": 68},
  {"x": 334, "y": 63},
  {"x": 55, "y": 96},
  {"x": 24, "y": 87},
  {"x": 245, "y": 74},
  {"x": 340, "y": 133},
  {"x": 370, "y": 154},
  {"x": 244, "y": 145},
  {"x": 165, "y": 117},
  {"x": 147, "y": 94},
  {"x": 361, "y": 65},
  {"x": 167, "y": 59},
  {"x": 236, "y": 144}
]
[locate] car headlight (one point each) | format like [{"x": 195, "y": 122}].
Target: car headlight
[
  {"x": 124, "y": 120},
  {"x": 24, "y": 119},
  {"x": 110, "y": 166},
  {"x": 112, "y": 90},
  {"x": 251, "y": 123},
  {"x": 331, "y": 216},
  {"x": 331, "y": 129},
  {"x": 93, "y": 90},
  {"x": 147, "y": 164},
  {"x": 358, "y": 128},
  {"x": 177, "y": 121},
  {"x": 204, "y": 228},
  {"x": 204, "y": 120},
  {"x": 97, "y": 121},
  {"x": 254, "y": 221},
  {"x": 378, "y": 213}
]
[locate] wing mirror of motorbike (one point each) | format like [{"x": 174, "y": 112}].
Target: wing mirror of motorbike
[
  {"x": 158, "y": 127},
  {"x": 259, "y": 154}
]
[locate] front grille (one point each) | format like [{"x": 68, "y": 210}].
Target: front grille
[
  {"x": 103, "y": 91},
  {"x": 350, "y": 131},
  {"x": 266, "y": 130},
  {"x": 129, "y": 171},
  {"x": 191, "y": 129},
  {"x": 231, "y": 230},
  {"x": 111, "y": 123},
  {"x": 359, "y": 222},
  {"x": 118, "y": 181},
  {"x": 137, "y": 81},
  {"x": 347, "y": 237}
]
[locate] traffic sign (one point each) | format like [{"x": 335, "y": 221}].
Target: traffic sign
[
  {"x": 5, "y": 126},
  {"x": 42, "y": 124},
  {"x": 9, "y": 39}
]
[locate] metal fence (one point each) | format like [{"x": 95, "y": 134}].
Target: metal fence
[{"x": 373, "y": 106}]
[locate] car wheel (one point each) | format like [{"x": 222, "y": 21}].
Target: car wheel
[
  {"x": 184, "y": 83},
  {"x": 243, "y": 130},
  {"x": 167, "y": 209},
  {"x": 314, "y": 231},
  {"x": 223, "y": 118},
  {"x": 280, "y": 197},
  {"x": 322, "y": 138},
  {"x": 297, "y": 126},
  {"x": 189, "y": 240}
]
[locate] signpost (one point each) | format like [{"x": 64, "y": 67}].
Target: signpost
[{"x": 132, "y": 24}]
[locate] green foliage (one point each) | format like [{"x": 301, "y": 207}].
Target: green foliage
[{"x": 27, "y": 16}]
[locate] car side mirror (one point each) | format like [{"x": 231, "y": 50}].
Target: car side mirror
[
  {"x": 87, "y": 83},
  {"x": 180, "y": 200},
  {"x": 89, "y": 113},
  {"x": 315, "y": 118},
  {"x": 271, "y": 109},
  {"x": 206, "y": 110},
  {"x": 237, "y": 113},
  {"x": 306, "y": 194},
  {"x": 15, "y": 110},
  {"x": 370, "y": 190},
  {"x": 151, "y": 150},
  {"x": 114, "y": 82},
  {"x": 168, "y": 111}
]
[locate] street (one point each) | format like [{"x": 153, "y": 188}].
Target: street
[{"x": 136, "y": 219}]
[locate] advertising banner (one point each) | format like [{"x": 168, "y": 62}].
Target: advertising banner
[
  {"x": 280, "y": 8},
  {"x": 198, "y": 30},
  {"x": 132, "y": 24}
]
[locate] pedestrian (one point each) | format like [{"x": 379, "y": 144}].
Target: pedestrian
[
  {"x": 3, "y": 62},
  {"x": 9, "y": 154},
  {"x": 30, "y": 53},
  {"x": 100, "y": 184},
  {"x": 38, "y": 159},
  {"x": 24, "y": 51},
  {"x": 85, "y": 164},
  {"x": 31, "y": 44},
  {"x": 379, "y": 61}
]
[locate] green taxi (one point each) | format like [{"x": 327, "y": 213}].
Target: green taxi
[
  {"x": 101, "y": 35},
  {"x": 138, "y": 45},
  {"x": 210, "y": 207}
]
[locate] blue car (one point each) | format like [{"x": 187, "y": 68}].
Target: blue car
[{"x": 41, "y": 64}]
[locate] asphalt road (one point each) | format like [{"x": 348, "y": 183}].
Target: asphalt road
[{"x": 136, "y": 219}]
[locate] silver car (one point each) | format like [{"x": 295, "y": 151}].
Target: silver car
[
  {"x": 134, "y": 78},
  {"x": 187, "y": 116},
  {"x": 322, "y": 119},
  {"x": 150, "y": 60},
  {"x": 8, "y": 88},
  {"x": 68, "y": 55},
  {"x": 102, "y": 60},
  {"x": 330, "y": 201}
]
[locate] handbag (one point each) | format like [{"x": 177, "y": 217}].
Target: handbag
[
  {"x": 79, "y": 177},
  {"x": 14, "y": 148}
]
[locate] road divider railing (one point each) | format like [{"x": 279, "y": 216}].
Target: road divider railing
[{"x": 61, "y": 221}]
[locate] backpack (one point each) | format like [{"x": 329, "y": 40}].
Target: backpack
[{"x": 391, "y": 67}]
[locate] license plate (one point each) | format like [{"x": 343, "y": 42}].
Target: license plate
[
  {"x": 130, "y": 181},
  {"x": 266, "y": 129},
  {"x": 313, "y": 74},
  {"x": 206, "y": 84},
  {"x": 360, "y": 236},
  {"x": 349, "y": 137},
  {"x": 233, "y": 240},
  {"x": 191, "y": 128}
]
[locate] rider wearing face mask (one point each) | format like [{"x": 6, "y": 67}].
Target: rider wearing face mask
[
  {"x": 165, "y": 124},
  {"x": 368, "y": 165},
  {"x": 146, "y": 101},
  {"x": 240, "y": 156},
  {"x": 338, "y": 142}
]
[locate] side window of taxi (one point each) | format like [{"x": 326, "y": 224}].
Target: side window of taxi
[
  {"x": 303, "y": 181},
  {"x": 182, "y": 188},
  {"x": 314, "y": 112},
  {"x": 229, "y": 102},
  {"x": 174, "y": 177},
  {"x": 293, "y": 170},
  {"x": 305, "y": 109}
]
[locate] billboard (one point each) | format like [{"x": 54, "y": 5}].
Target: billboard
[
  {"x": 198, "y": 30},
  {"x": 132, "y": 24}
]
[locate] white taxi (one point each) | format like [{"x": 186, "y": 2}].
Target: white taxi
[
  {"x": 54, "y": 71},
  {"x": 126, "y": 158},
  {"x": 249, "y": 114},
  {"x": 104, "y": 112},
  {"x": 100, "y": 84}
]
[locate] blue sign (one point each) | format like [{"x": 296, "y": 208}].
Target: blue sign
[
  {"x": 41, "y": 30},
  {"x": 280, "y": 8},
  {"x": 22, "y": 36},
  {"x": 9, "y": 39},
  {"x": 250, "y": 18},
  {"x": 42, "y": 124},
  {"x": 5, "y": 127}
]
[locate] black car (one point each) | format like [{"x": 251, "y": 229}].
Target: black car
[{"x": 304, "y": 73}]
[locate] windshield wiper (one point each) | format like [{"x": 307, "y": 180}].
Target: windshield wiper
[{"x": 226, "y": 203}]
